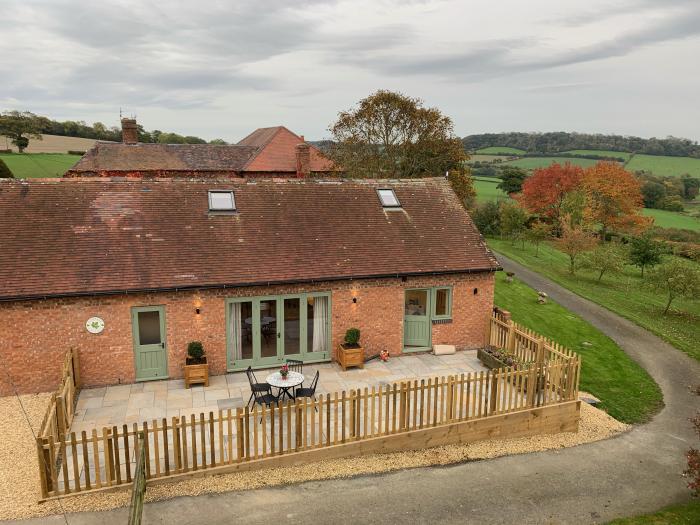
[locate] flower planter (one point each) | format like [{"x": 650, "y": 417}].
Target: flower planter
[
  {"x": 350, "y": 356},
  {"x": 196, "y": 373},
  {"x": 493, "y": 363}
]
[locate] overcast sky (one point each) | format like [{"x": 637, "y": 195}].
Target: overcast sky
[{"x": 221, "y": 69}]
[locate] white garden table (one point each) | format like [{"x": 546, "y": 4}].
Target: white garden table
[{"x": 284, "y": 385}]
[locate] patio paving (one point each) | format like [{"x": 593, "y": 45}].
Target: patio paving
[{"x": 139, "y": 402}]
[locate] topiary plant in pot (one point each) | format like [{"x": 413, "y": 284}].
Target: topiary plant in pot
[
  {"x": 350, "y": 352},
  {"x": 196, "y": 366}
]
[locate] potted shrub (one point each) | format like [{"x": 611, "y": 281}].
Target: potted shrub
[
  {"x": 196, "y": 366},
  {"x": 350, "y": 352}
]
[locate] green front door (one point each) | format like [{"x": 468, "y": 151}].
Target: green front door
[
  {"x": 416, "y": 324},
  {"x": 150, "y": 352}
]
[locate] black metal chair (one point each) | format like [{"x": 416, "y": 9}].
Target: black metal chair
[
  {"x": 296, "y": 366},
  {"x": 255, "y": 387},
  {"x": 265, "y": 399},
  {"x": 308, "y": 391}
]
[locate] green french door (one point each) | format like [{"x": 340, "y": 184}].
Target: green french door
[
  {"x": 265, "y": 331},
  {"x": 150, "y": 349},
  {"x": 416, "y": 324}
]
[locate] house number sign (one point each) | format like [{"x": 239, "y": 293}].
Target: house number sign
[{"x": 95, "y": 325}]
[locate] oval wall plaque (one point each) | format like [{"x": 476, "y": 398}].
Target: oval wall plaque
[{"x": 95, "y": 325}]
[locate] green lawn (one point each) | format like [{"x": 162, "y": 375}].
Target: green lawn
[
  {"x": 530, "y": 163},
  {"x": 684, "y": 514},
  {"x": 662, "y": 165},
  {"x": 486, "y": 189},
  {"x": 30, "y": 165},
  {"x": 499, "y": 150},
  {"x": 625, "y": 294},
  {"x": 628, "y": 393},
  {"x": 600, "y": 152},
  {"x": 671, "y": 219}
]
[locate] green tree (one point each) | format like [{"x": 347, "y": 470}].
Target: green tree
[
  {"x": 392, "y": 135},
  {"x": 220, "y": 142},
  {"x": 538, "y": 232},
  {"x": 512, "y": 179},
  {"x": 645, "y": 252},
  {"x": 5, "y": 172},
  {"x": 513, "y": 221},
  {"x": 653, "y": 193},
  {"x": 487, "y": 218},
  {"x": 676, "y": 278},
  {"x": 609, "y": 257},
  {"x": 21, "y": 126},
  {"x": 691, "y": 187},
  {"x": 463, "y": 186}
]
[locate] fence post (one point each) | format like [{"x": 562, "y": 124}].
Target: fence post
[
  {"x": 510, "y": 340},
  {"x": 493, "y": 397},
  {"x": 44, "y": 468},
  {"x": 138, "y": 490},
  {"x": 297, "y": 425},
  {"x": 61, "y": 416},
  {"x": 539, "y": 356},
  {"x": 76, "y": 367}
]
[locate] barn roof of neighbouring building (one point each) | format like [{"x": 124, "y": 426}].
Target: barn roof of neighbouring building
[
  {"x": 92, "y": 236},
  {"x": 264, "y": 150}
]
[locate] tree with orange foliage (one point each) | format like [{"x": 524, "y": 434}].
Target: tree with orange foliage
[
  {"x": 545, "y": 191},
  {"x": 613, "y": 198},
  {"x": 574, "y": 241}
]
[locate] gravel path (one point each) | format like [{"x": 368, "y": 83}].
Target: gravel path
[{"x": 637, "y": 472}]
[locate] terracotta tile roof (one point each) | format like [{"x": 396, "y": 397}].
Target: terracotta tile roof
[
  {"x": 88, "y": 236},
  {"x": 277, "y": 151},
  {"x": 173, "y": 157}
]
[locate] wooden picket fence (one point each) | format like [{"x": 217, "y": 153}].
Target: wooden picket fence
[
  {"x": 527, "y": 345},
  {"x": 61, "y": 410},
  {"x": 387, "y": 416}
]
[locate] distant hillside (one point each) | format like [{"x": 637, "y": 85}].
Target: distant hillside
[
  {"x": 51, "y": 144},
  {"x": 558, "y": 141}
]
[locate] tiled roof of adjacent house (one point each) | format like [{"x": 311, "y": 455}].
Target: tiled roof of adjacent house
[
  {"x": 165, "y": 157},
  {"x": 89, "y": 236},
  {"x": 277, "y": 151}
]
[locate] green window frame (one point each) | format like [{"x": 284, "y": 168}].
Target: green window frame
[{"x": 434, "y": 303}]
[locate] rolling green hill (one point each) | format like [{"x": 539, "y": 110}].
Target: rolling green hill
[
  {"x": 599, "y": 153},
  {"x": 33, "y": 165},
  {"x": 661, "y": 165},
  {"x": 500, "y": 150},
  {"x": 531, "y": 163}
]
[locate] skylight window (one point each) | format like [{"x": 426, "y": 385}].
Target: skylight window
[
  {"x": 222, "y": 201},
  {"x": 388, "y": 198}
]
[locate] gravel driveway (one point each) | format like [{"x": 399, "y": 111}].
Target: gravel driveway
[{"x": 637, "y": 472}]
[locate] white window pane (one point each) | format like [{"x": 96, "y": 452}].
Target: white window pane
[
  {"x": 388, "y": 198},
  {"x": 221, "y": 200}
]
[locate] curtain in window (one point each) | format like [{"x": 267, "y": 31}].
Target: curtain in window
[
  {"x": 236, "y": 332},
  {"x": 320, "y": 339}
]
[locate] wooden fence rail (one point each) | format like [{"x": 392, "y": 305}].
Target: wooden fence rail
[
  {"x": 59, "y": 414},
  {"x": 99, "y": 460}
]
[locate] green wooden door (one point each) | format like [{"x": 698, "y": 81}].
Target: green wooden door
[
  {"x": 416, "y": 325},
  {"x": 150, "y": 352}
]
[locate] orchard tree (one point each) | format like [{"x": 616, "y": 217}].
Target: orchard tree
[
  {"x": 545, "y": 191},
  {"x": 609, "y": 257},
  {"x": 512, "y": 179},
  {"x": 390, "y": 135},
  {"x": 20, "y": 126},
  {"x": 487, "y": 218},
  {"x": 513, "y": 220},
  {"x": 574, "y": 241},
  {"x": 537, "y": 232},
  {"x": 645, "y": 252},
  {"x": 613, "y": 198},
  {"x": 676, "y": 278}
]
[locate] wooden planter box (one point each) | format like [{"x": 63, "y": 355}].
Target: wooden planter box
[
  {"x": 196, "y": 374},
  {"x": 350, "y": 356},
  {"x": 493, "y": 363}
]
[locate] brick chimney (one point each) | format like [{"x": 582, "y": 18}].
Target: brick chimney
[
  {"x": 303, "y": 155},
  {"x": 130, "y": 133}
]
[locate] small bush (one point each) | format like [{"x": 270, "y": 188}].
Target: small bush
[
  {"x": 75, "y": 152},
  {"x": 352, "y": 336},
  {"x": 195, "y": 350}
]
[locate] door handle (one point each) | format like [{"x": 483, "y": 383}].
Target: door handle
[{"x": 162, "y": 345}]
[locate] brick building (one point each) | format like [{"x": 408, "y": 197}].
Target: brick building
[
  {"x": 259, "y": 270},
  {"x": 267, "y": 152}
]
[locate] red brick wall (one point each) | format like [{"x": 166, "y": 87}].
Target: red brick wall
[{"x": 34, "y": 335}]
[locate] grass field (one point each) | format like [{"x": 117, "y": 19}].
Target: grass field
[
  {"x": 600, "y": 152},
  {"x": 486, "y": 189},
  {"x": 499, "y": 150},
  {"x": 31, "y": 165},
  {"x": 531, "y": 163},
  {"x": 625, "y": 294},
  {"x": 661, "y": 165},
  {"x": 670, "y": 219},
  {"x": 488, "y": 158},
  {"x": 683, "y": 514},
  {"x": 628, "y": 393}
]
